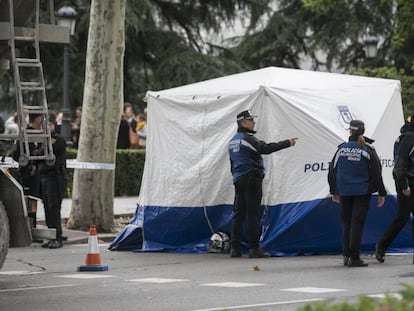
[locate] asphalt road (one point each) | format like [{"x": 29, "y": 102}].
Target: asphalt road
[{"x": 33, "y": 279}]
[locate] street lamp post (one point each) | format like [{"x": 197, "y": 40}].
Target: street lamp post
[
  {"x": 371, "y": 46},
  {"x": 67, "y": 18}
]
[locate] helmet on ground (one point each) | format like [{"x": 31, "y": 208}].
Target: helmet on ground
[{"x": 219, "y": 243}]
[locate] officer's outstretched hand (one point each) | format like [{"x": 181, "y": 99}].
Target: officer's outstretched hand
[
  {"x": 407, "y": 191},
  {"x": 381, "y": 201},
  {"x": 293, "y": 141}
]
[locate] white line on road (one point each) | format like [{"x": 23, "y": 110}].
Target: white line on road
[
  {"x": 31, "y": 288},
  {"x": 157, "y": 280},
  {"x": 314, "y": 290},
  {"x": 262, "y": 304},
  {"x": 85, "y": 276},
  {"x": 20, "y": 272},
  {"x": 232, "y": 284}
]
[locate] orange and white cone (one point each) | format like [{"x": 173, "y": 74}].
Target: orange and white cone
[{"x": 93, "y": 258}]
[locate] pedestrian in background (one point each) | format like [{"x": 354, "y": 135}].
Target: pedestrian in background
[
  {"x": 123, "y": 134},
  {"x": 12, "y": 126},
  {"x": 141, "y": 122},
  {"x": 132, "y": 123},
  {"x": 403, "y": 174},
  {"x": 130, "y": 116},
  {"x": 76, "y": 126},
  {"x": 247, "y": 168},
  {"x": 53, "y": 180},
  {"x": 354, "y": 174}
]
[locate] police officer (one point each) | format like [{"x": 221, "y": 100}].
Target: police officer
[
  {"x": 29, "y": 175},
  {"x": 354, "y": 174},
  {"x": 53, "y": 181},
  {"x": 403, "y": 174},
  {"x": 247, "y": 168}
]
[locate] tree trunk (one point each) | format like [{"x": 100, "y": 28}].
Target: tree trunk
[{"x": 93, "y": 189}]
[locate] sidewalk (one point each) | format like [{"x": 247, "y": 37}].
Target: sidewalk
[
  {"x": 122, "y": 206},
  {"x": 124, "y": 209}
]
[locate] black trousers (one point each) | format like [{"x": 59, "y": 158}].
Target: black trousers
[
  {"x": 247, "y": 204},
  {"x": 405, "y": 206},
  {"x": 52, "y": 194},
  {"x": 354, "y": 212}
]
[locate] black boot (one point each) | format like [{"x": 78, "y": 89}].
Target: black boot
[
  {"x": 356, "y": 263},
  {"x": 55, "y": 244},
  {"x": 258, "y": 253},
  {"x": 379, "y": 253},
  {"x": 235, "y": 251}
]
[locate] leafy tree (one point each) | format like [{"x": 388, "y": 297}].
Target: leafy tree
[
  {"x": 344, "y": 23},
  {"x": 329, "y": 33},
  {"x": 165, "y": 46}
]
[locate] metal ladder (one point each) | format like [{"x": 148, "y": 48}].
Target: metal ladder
[{"x": 30, "y": 88}]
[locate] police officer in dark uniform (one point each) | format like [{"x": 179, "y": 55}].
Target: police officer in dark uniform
[
  {"x": 29, "y": 176},
  {"x": 403, "y": 174},
  {"x": 53, "y": 181},
  {"x": 247, "y": 168},
  {"x": 354, "y": 174}
]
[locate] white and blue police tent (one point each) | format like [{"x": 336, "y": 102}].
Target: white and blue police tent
[{"x": 187, "y": 192}]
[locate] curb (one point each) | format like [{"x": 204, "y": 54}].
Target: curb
[{"x": 106, "y": 238}]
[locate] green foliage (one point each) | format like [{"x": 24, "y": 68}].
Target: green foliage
[
  {"x": 318, "y": 6},
  {"x": 128, "y": 173},
  {"x": 129, "y": 167},
  {"x": 339, "y": 28},
  {"x": 280, "y": 43},
  {"x": 165, "y": 46},
  {"x": 390, "y": 302},
  {"x": 168, "y": 42}
]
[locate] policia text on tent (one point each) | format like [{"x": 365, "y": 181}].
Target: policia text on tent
[{"x": 324, "y": 166}]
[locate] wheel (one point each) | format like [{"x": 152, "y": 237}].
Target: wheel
[
  {"x": 4, "y": 234},
  {"x": 50, "y": 159},
  {"x": 23, "y": 160}
]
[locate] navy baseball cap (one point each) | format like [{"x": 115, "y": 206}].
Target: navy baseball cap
[
  {"x": 357, "y": 125},
  {"x": 245, "y": 115}
]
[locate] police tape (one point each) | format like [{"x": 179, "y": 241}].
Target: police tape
[
  {"x": 8, "y": 162},
  {"x": 89, "y": 165}
]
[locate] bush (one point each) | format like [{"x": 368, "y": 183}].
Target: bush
[
  {"x": 129, "y": 167},
  {"x": 390, "y": 302}
]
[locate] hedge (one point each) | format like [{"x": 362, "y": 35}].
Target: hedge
[
  {"x": 129, "y": 166},
  {"x": 402, "y": 302}
]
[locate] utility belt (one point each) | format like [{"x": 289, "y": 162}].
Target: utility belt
[{"x": 257, "y": 172}]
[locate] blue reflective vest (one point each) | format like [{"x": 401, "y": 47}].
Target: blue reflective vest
[
  {"x": 246, "y": 151},
  {"x": 352, "y": 164},
  {"x": 244, "y": 156}
]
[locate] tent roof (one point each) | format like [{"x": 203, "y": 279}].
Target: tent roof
[{"x": 274, "y": 77}]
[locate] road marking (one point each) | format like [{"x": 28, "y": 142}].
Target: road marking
[
  {"x": 232, "y": 284},
  {"x": 85, "y": 276},
  {"x": 38, "y": 287},
  {"x": 156, "y": 280},
  {"x": 314, "y": 290},
  {"x": 262, "y": 304},
  {"x": 20, "y": 272}
]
